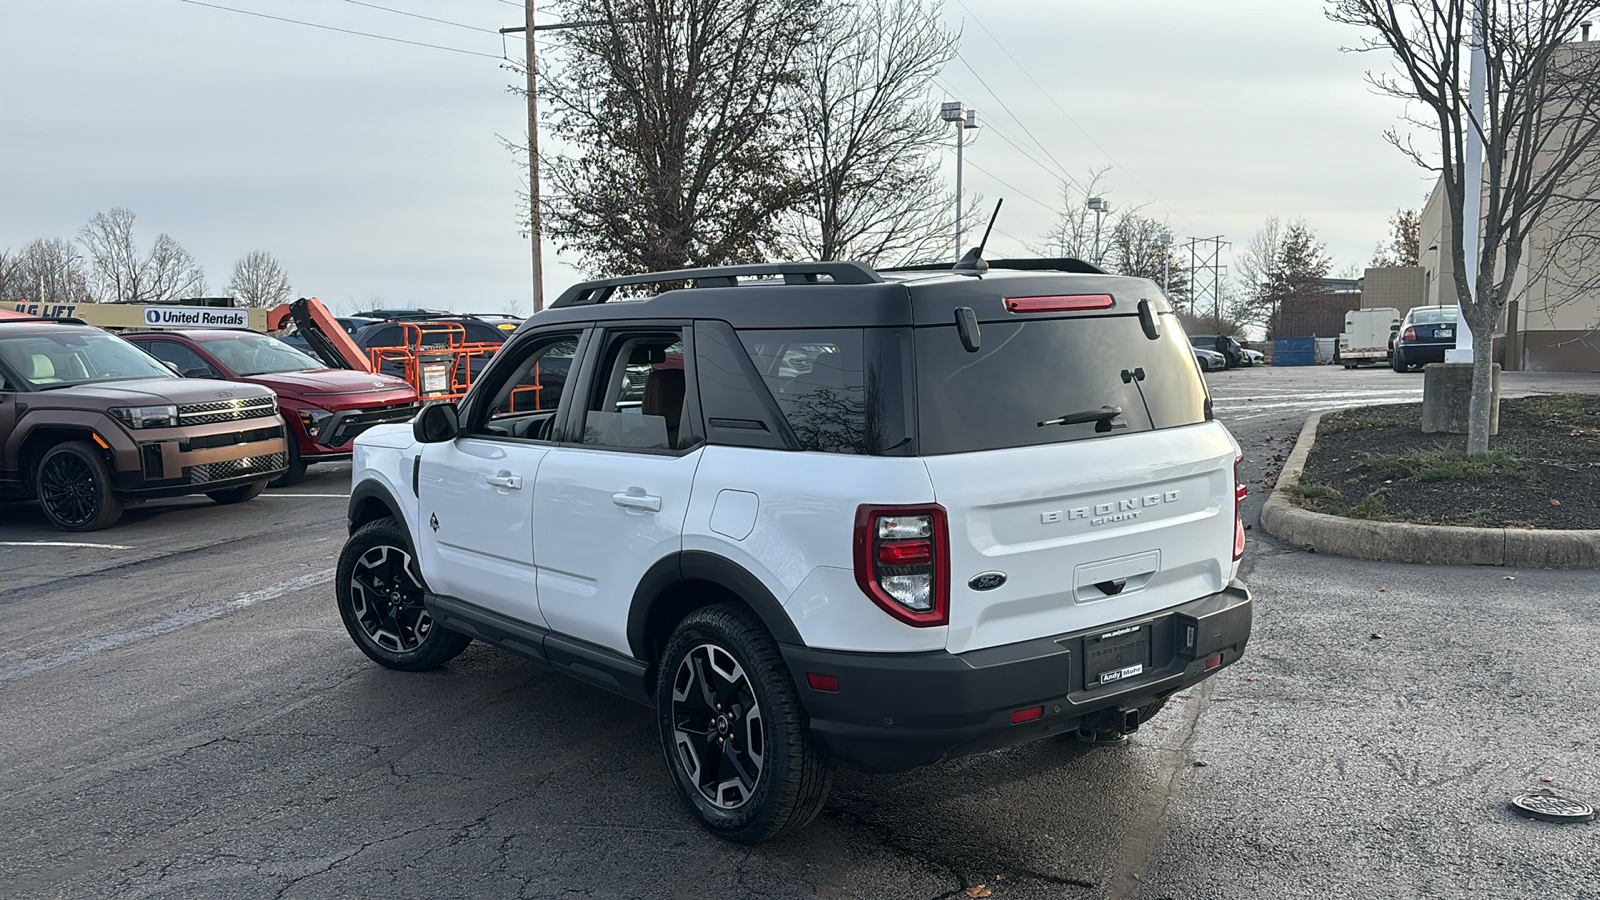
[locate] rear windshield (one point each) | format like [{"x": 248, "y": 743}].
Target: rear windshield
[
  {"x": 1045, "y": 370},
  {"x": 1434, "y": 316}
]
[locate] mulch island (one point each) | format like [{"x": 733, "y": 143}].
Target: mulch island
[{"x": 1542, "y": 470}]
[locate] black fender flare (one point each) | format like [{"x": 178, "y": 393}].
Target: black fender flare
[
  {"x": 361, "y": 499},
  {"x": 699, "y": 565}
]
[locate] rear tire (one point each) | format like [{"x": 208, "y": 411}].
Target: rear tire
[
  {"x": 737, "y": 741},
  {"x": 239, "y": 494},
  {"x": 1397, "y": 362},
  {"x": 73, "y": 485}
]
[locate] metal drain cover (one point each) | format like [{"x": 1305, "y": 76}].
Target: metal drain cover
[{"x": 1549, "y": 808}]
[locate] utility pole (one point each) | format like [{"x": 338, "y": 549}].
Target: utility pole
[
  {"x": 1205, "y": 256},
  {"x": 964, "y": 119},
  {"x": 535, "y": 231},
  {"x": 1166, "y": 260}
]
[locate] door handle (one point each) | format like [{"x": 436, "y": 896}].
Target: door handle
[
  {"x": 641, "y": 501},
  {"x": 505, "y": 480}
]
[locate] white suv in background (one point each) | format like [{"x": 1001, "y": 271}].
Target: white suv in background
[{"x": 815, "y": 515}]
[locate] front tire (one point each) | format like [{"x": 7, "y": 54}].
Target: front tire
[
  {"x": 238, "y": 494},
  {"x": 379, "y": 591},
  {"x": 73, "y": 485},
  {"x": 737, "y": 741}
]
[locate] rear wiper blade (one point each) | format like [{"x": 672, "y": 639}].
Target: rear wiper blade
[{"x": 1103, "y": 414}]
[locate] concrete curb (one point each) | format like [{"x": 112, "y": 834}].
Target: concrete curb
[{"x": 1403, "y": 542}]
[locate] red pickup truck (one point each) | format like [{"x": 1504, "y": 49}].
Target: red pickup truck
[{"x": 325, "y": 408}]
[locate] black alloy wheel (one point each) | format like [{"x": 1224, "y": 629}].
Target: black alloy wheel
[
  {"x": 717, "y": 729},
  {"x": 73, "y": 486},
  {"x": 736, "y": 737},
  {"x": 380, "y": 596}
]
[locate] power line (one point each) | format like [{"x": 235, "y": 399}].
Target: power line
[
  {"x": 1068, "y": 116},
  {"x": 246, "y": 12},
  {"x": 1018, "y": 120},
  {"x": 401, "y": 12}
]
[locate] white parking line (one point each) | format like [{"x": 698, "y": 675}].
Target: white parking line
[
  {"x": 165, "y": 625},
  {"x": 340, "y": 496},
  {"x": 62, "y": 544}
]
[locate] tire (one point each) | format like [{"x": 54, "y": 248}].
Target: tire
[
  {"x": 722, "y": 685},
  {"x": 1149, "y": 710},
  {"x": 1397, "y": 362},
  {"x": 238, "y": 494},
  {"x": 379, "y": 592},
  {"x": 1204, "y": 366},
  {"x": 297, "y": 469},
  {"x": 73, "y": 485}
]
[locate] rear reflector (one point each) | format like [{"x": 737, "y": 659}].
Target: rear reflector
[
  {"x": 1213, "y": 661},
  {"x": 1058, "y": 304},
  {"x": 905, "y": 553},
  {"x": 829, "y": 683},
  {"x": 1027, "y": 715}
]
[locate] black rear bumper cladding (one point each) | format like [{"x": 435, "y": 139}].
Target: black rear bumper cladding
[{"x": 898, "y": 711}]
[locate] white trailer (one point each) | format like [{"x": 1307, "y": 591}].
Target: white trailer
[{"x": 1366, "y": 336}]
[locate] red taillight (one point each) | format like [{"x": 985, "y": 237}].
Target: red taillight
[
  {"x": 902, "y": 561},
  {"x": 818, "y": 682},
  {"x": 1213, "y": 661},
  {"x": 1410, "y": 333},
  {"x": 1027, "y": 715},
  {"x": 1058, "y": 304},
  {"x": 905, "y": 553},
  {"x": 1239, "y": 493}
]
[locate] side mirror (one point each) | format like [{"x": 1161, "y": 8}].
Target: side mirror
[
  {"x": 171, "y": 365},
  {"x": 197, "y": 372},
  {"x": 436, "y": 424}
]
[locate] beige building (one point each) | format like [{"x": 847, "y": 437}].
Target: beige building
[{"x": 1552, "y": 322}]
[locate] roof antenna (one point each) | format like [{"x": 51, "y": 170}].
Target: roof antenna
[{"x": 973, "y": 260}]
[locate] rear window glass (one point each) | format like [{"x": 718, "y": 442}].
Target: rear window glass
[
  {"x": 841, "y": 390},
  {"x": 1047, "y": 369},
  {"x": 1434, "y": 316}
]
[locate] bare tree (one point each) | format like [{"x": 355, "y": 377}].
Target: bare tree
[
  {"x": 119, "y": 273},
  {"x": 47, "y": 270},
  {"x": 1279, "y": 263},
  {"x": 1074, "y": 232},
  {"x": 1405, "y": 236},
  {"x": 1540, "y": 131},
  {"x": 1136, "y": 248},
  {"x": 258, "y": 281},
  {"x": 681, "y": 141},
  {"x": 869, "y": 136}
]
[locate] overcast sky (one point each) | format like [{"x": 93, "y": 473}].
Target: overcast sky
[{"x": 374, "y": 170}]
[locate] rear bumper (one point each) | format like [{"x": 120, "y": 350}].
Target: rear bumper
[
  {"x": 897, "y": 711},
  {"x": 1416, "y": 354}
]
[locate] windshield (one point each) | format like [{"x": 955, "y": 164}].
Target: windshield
[
  {"x": 1434, "y": 316},
  {"x": 257, "y": 354},
  {"x": 1051, "y": 380},
  {"x": 46, "y": 361}
]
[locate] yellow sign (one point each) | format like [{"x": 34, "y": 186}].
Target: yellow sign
[{"x": 135, "y": 315}]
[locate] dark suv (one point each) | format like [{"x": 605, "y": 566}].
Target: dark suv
[
  {"x": 814, "y": 515},
  {"x": 88, "y": 422}
]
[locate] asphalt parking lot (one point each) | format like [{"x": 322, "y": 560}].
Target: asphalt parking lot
[{"x": 184, "y": 716}]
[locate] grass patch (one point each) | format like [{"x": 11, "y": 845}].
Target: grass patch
[
  {"x": 1311, "y": 491},
  {"x": 1368, "y": 507},
  {"x": 1445, "y": 464}
]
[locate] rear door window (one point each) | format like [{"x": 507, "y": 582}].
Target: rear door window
[{"x": 1045, "y": 370}]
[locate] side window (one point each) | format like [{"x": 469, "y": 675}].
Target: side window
[
  {"x": 731, "y": 400},
  {"x": 820, "y": 382},
  {"x": 639, "y": 394},
  {"x": 524, "y": 404},
  {"x": 190, "y": 364}
]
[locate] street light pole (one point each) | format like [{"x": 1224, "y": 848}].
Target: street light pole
[
  {"x": 1166, "y": 259},
  {"x": 1100, "y": 207},
  {"x": 964, "y": 119}
]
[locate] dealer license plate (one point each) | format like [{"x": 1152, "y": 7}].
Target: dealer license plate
[
  {"x": 1447, "y": 332},
  {"x": 1117, "y": 654}
]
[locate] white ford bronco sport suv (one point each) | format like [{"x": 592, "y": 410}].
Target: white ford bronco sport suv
[{"x": 816, "y": 515}]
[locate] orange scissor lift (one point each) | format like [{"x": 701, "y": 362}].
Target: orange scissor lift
[{"x": 434, "y": 357}]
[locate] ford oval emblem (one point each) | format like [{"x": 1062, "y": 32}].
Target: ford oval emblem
[{"x": 988, "y": 581}]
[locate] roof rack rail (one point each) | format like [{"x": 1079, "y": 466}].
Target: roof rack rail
[
  {"x": 1026, "y": 264},
  {"x": 721, "y": 276}
]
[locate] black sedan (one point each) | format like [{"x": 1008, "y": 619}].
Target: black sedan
[{"x": 1425, "y": 334}]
